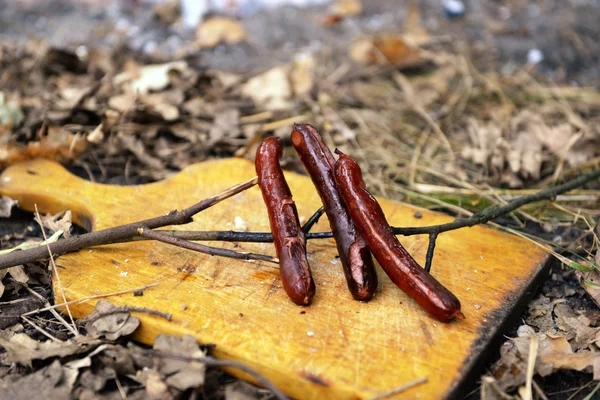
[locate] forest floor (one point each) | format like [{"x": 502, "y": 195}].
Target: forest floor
[{"x": 451, "y": 113}]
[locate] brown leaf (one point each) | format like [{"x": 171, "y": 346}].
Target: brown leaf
[
  {"x": 301, "y": 76},
  {"x": 106, "y": 321},
  {"x": 241, "y": 390},
  {"x": 148, "y": 78},
  {"x": 590, "y": 281},
  {"x": 22, "y": 349},
  {"x": 47, "y": 383},
  {"x": 386, "y": 49},
  {"x": 136, "y": 146},
  {"x": 6, "y": 204},
  {"x": 57, "y": 222},
  {"x": 225, "y": 125},
  {"x": 575, "y": 361},
  {"x": 342, "y": 9},
  {"x": 217, "y": 30},
  {"x": 156, "y": 388},
  {"x": 180, "y": 374},
  {"x": 271, "y": 90},
  {"x": 346, "y": 8},
  {"x": 168, "y": 12},
  {"x": 165, "y": 103},
  {"x": 56, "y": 144}
]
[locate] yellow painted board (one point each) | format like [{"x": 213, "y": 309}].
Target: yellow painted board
[{"x": 336, "y": 348}]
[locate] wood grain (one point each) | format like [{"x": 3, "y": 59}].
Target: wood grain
[{"x": 337, "y": 347}]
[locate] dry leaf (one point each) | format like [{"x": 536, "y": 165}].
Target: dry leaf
[
  {"x": 6, "y": 204},
  {"x": 180, "y": 374},
  {"x": 490, "y": 390},
  {"x": 215, "y": 30},
  {"x": 342, "y": 9},
  {"x": 270, "y": 90},
  {"x": 346, "y": 8},
  {"x": 165, "y": 103},
  {"x": 156, "y": 388},
  {"x": 168, "y": 12},
  {"x": 122, "y": 102},
  {"x": 58, "y": 222},
  {"x": 302, "y": 74},
  {"x": 57, "y": 144},
  {"x": 414, "y": 32},
  {"x": 136, "y": 146},
  {"x": 97, "y": 135},
  {"x": 47, "y": 383},
  {"x": 106, "y": 322},
  {"x": 386, "y": 49},
  {"x": 225, "y": 125},
  {"x": 18, "y": 273},
  {"x": 22, "y": 349},
  {"x": 150, "y": 78},
  {"x": 241, "y": 390}
]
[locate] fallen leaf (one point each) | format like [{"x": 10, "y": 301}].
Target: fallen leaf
[
  {"x": 217, "y": 30},
  {"x": 241, "y": 390},
  {"x": 137, "y": 147},
  {"x": 302, "y": 74},
  {"x": 106, "y": 322},
  {"x": 271, "y": 90},
  {"x": 152, "y": 77},
  {"x": 226, "y": 125},
  {"x": 346, "y": 8},
  {"x": 414, "y": 31},
  {"x": 47, "y": 383},
  {"x": 97, "y": 135},
  {"x": 56, "y": 144},
  {"x": 165, "y": 103},
  {"x": 490, "y": 390},
  {"x": 6, "y": 204},
  {"x": 342, "y": 9},
  {"x": 58, "y": 222},
  {"x": 22, "y": 349},
  {"x": 180, "y": 374},
  {"x": 575, "y": 361},
  {"x": 386, "y": 49},
  {"x": 17, "y": 272},
  {"x": 167, "y": 12},
  {"x": 156, "y": 388}
]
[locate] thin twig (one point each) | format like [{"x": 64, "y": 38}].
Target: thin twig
[
  {"x": 312, "y": 220},
  {"x": 213, "y": 362},
  {"x": 110, "y": 235},
  {"x": 201, "y": 248},
  {"x": 495, "y": 212},
  {"x": 430, "y": 250},
  {"x": 126, "y": 232}
]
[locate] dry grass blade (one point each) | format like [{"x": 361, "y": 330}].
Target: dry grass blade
[
  {"x": 73, "y": 327},
  {"x": 401, "y": 389}
]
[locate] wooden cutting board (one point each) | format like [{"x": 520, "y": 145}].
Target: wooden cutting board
[{"x": 337, "y": 348}]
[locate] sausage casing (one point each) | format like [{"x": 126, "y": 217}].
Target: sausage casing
[
  {"x": 397, "y": 263},
  {"x": 354, "y": 254},
  {"x": 288, "y": 238}
]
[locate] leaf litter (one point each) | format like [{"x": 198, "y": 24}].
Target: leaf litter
[{"x": 124, "y": 117}]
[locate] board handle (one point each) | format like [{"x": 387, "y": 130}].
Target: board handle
[{"x": 51, "y": 187}]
